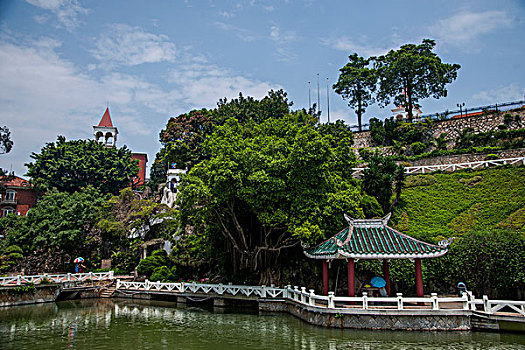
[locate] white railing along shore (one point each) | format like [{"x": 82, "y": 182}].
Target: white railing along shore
[
  {"x": 423, "y": 169},
  {"x": 55, "y": 278},
  {"x": 308, "y": 297}
]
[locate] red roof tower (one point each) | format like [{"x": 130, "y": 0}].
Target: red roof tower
[{"x": 105, "y": 132}]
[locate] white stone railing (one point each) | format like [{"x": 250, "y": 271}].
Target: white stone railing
[
  {"x": 308, "y": 298},
  {"x": 494, "y": 306},
  {"x": 219, "y": 289},
  {"x": 56, "y": 278},
  {"x": 365, "y": 302},
  {"x": 423, "y": 169}
]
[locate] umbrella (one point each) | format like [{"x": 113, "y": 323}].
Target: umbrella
[
  {"x": 78, "y": 260},
  {"x": 378, "y": 282}
]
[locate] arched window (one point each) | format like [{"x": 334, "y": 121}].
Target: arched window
[
  {"x": 109, "y": 139},
  {"x": 7, "y": 210},
  {"x": 99, "y": 137}
]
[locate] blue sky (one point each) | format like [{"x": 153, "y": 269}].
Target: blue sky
[{"x": 63, "y": 61}]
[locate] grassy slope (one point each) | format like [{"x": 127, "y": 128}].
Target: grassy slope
[{"x": 449, "y": 204}]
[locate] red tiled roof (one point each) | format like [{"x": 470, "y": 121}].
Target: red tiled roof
[
  {"x": 17, "y": 181},
  {"x": 106, "y": 119}
]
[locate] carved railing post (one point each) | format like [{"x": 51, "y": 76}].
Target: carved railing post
[
  {"x": 331, "y": 304},
  {"x": 312, "y": 296},
  {"x": 365, "y": 300},
  {"x": 435, "y": 304}
]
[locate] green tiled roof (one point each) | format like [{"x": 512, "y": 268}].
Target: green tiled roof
[{"x": 373, "y": 239}]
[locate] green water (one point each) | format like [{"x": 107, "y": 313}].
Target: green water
[{"x": 125, "y": 324}]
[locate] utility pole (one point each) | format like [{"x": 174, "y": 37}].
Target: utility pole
[
  {"x": 318, "y": 98},
  {"x": 328, "y": 100},
  {"x": 309, "y": 98}
]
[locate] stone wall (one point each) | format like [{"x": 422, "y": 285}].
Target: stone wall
[
  {"x": 44, "y": 294},
  {"x": 421, "y": 320},
  {"x": 453, "y": 127},
  {"x": 466, "y": 158}
]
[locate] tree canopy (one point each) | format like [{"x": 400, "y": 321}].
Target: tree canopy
[
  {"x": 411, "y": 73},
  {"x": 356, "y": 83},
  {"x": 6, "y": 144},
  {"x": 380, "y": 178},
  {"x": 59, "y": 223},
  {"x": 268, "y": 186},
  {"x": 71, "y": 165},
  {"x": 183, "y": 138}
]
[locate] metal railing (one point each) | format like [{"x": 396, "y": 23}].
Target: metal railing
[
  {"x": 423, "y": 169},
  {"x": 446, "y": 115},
  {"x": 55, "y": 278}
]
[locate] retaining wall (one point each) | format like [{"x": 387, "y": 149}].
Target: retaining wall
[
  {"x": 452, "y": 127},
  {"x": 412, "y": 320}
]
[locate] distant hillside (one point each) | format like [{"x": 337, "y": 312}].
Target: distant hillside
[{"x": 450, "y": 204}]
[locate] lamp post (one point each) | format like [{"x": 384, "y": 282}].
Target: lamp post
[{"x": 460, "y": 105}]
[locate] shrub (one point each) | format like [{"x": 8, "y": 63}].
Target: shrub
[
  {"x": 491, "y": 156},
  {"x": 13, "y": 249},
  {"x": 164, "y": 274},
  {"x": 507, "y": 118},
  {"x": 418, "y": 147},
  {"x": 147, "y": 266},
  {"x": 365, "y": 153},
  {"x": 371, "y": 207}
]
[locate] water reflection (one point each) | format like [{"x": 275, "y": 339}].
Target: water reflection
[{"x": 126, "y": 324}]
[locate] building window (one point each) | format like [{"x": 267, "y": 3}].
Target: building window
[
  {"x": 7, "y": 211},
  {"x": 10, "y": 195}
]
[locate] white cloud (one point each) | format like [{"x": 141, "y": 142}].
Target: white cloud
[
  {"x": 203, "y": 84},
  {"x": 67, "y": 11},
  {"x": 240, "y": 33},
  {"x": 130, "y": 46},
  {"x": 465, "y": 27},
  {"x": 44, "y": 95},
  {"x": 282, "y": 40},
  {"x": 507, "y": 93},
  {"x": 350, "y": 46}
]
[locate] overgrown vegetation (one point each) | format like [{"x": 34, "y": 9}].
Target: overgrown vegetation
[{"x": 485, "y": 212}]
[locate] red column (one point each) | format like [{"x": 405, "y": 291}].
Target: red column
[
  {"x": 386, "y": 275},
  {"x": 351, "y": 278},
  {"x": 419, "y": 278},
  {"x": 325, "y": 277}
]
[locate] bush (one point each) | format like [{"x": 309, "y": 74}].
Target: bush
[
  {"x": 371, "y": 207},
  {"x": 13, "y": 249},
  {"x": 491, "y": 156},
  {"x": 507, "y": 118},
  {"x": 164, "y": 274},
  {"x": 365, "y": 153},
  {"x": 147, "y": 266},
  {"x": 418, "y": 147}
]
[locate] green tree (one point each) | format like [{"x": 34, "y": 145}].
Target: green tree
[
  {"x": 183, "y": 139},
  {"x": 71, "y": 165},
  {"x": 265, "y": 188},
  {"x": 412, "y": 73},
  {"x": 60, "y": 225},
  {"x": 356, "y": 83},
  {"x": 380, "y": 179},
  {"x": 6, "y": 144}
]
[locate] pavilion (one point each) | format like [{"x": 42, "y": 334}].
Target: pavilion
[{"x": 373, "y": 239}]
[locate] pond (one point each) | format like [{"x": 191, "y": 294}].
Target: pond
[{"x": 126, "y": 324}]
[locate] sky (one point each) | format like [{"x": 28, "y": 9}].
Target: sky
[{"x": 62, "y": 62}]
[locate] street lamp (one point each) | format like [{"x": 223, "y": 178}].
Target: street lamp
[{"x": 460, "y": 105}]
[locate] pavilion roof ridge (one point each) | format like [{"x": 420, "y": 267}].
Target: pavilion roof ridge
[{"x": 368, "y": 222}]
